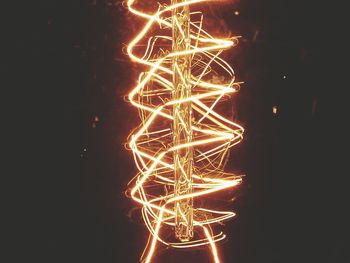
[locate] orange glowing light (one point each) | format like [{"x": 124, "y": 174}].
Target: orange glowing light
[{"x": 181, "y": 145}]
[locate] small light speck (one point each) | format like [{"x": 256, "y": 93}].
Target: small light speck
[
  {"x": 256, "y": 34},
  {"x": 84, "y": 149},
  {"x": 237, "y": 13},
  {"x": 284, "y": 76},
  {"x": 274, "y": 109},
  {"x": 95, "y": 121}
]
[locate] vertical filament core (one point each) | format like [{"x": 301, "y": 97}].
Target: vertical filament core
[{"x": 182, "y": 123}]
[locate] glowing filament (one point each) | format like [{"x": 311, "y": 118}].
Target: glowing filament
[
  {"x": 182, "y": 128},
  {"x": 181, "y": 146}
]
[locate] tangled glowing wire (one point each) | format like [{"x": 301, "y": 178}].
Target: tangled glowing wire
[{"x": 181, "y": 146}]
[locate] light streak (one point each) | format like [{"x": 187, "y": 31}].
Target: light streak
[{"x": 182, "y": 143}]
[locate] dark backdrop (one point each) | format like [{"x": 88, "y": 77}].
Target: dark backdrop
[{"x": 292, "y": 205}]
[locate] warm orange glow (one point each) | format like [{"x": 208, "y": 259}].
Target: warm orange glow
[{"x": 181, "y": 146}]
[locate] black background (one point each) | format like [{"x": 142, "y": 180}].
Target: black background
[{"x": 71, "y": 69}]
